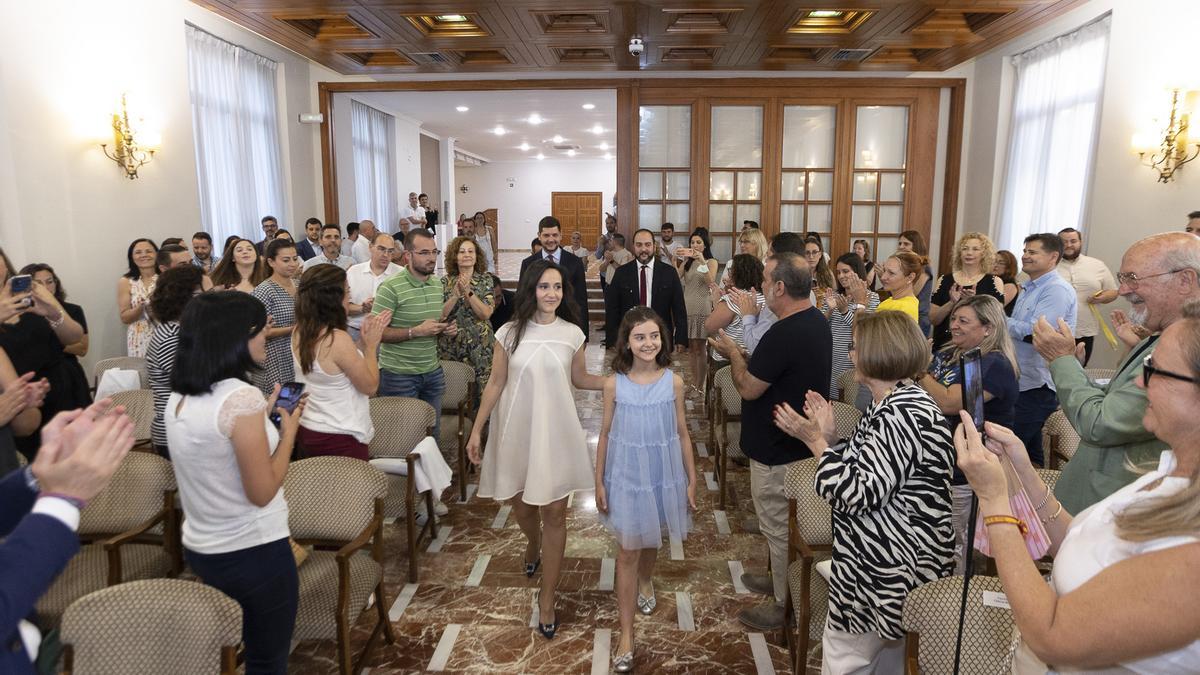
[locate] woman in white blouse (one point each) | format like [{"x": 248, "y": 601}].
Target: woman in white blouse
[
  {"x": 1124, "y": 584},
  {"x": 229, "y": 462}
]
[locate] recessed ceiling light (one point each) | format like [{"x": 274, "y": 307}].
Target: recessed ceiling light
[
  {"x": 541, "y": 156},
  {"x": 589, "y": 106},
  {"x": 557, "y": 138},
  {"x": 825, "y": 14},
  {"x": 452, "y": 18},
  {"x": 603, "y": 146},
  {"x": 462, "y": 108},
  {"x": 607, "y": 155},
  {"x": 535, "y": 119},
  {"x": 499, "y": 130},
  {"x": 524, "y": 146},
  {"x": 597, "y": 129},
  {"x": 570, "y": 153}
]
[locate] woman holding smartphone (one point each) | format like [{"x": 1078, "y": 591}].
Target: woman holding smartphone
[
  {"x": 698, "y": 271},
  {"x": 230, "y": 462}
]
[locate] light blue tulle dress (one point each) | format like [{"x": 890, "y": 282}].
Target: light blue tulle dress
[{"x": 644, "y": 476}]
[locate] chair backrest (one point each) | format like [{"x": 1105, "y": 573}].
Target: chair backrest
[
  {"x": 400, "y": 423},
  {"x": 1058, "y": 426},
  {"x": 814, "y": 518},
  {"x": 1100, "y": 373},
  {"x": 151, "y": 626},
  {"x": 332, "y": 498},
  {"x": 459, "y": 377},
  {"x": 139, "y": 405},
  {"x": 133, "y": 496},
  {"x": 845, "y": 418},
  {"x": 931, "y": 611},
  {"x": 731, "y": 400},
  {"x": 848, "y": 386},
  {"x": 120, "y": 362},
  {"x": 1050, "y": 478}
]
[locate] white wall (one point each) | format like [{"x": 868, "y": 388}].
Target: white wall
[
  {"x": 521, "y": 206},
  {"x": 64, "y": 203},
  {"x": 1126, "y": 202},
  {"x": 407, "y": 161}
]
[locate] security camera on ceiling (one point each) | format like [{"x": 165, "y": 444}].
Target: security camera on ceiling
[{"x": 636, "y": 46}]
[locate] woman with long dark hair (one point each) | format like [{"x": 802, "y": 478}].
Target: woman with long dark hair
[
  {"x": 46, "y": 276},
  {"x": 536, "y": 451},
  {"x": 851, "y": 299},
  {"x": 862, "y": 247},
  {"x": 230, "y": 462},
  {"x": 278, "y": 294},
  {"x": 698, "y": 271},
  {"x": 133, "y": 294},
  {"x": 175, "y": 289},
  {"x": 912, "y": 241},
  {"x": 240, "y": 268},
  {"x": 338, "y": 374},
  {"x": 1006, "y": 268},
  {"x": 814, "y": 255}
]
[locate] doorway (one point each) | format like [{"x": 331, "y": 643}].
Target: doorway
[{"x": 580, "y": 211}]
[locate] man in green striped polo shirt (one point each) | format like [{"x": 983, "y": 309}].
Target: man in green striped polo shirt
[{"x": 408, "y": 359}]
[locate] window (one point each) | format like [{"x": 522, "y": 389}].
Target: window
[
  {"x": 806, "y": 189},
  {"x": 373, "y": 134},
  {"x": 664, "y": 170},
  {"x": 880, "y": 172},
  {"x": 236, "y": 127},
  {"x": 735, "y": 174},
  {"x": 1052, "y": 144}
]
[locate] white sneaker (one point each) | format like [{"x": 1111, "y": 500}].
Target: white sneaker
[{"x": 440, "y": 508}]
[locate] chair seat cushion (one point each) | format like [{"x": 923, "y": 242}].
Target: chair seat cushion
[
  {"x": 88, "y": 572},
  {"x": 316, "y": 615},
  {"x": 733, "y": 447}
]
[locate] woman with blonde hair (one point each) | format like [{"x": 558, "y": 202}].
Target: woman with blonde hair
[
  {"x": 751, "y": 242},
  {"x": 1122, "y": 597},
  {"x": 974, "y": 256},
  {"x": 469, "y": 294},
  {"x": 898, "y": 275}
]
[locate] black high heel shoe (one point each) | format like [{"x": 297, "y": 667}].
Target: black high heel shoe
[
  {"x": 531, "y": 568},
  {"x": 546, "y": 629}
]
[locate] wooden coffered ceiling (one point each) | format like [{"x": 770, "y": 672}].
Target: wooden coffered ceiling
[{"x": 385, "y": 37}]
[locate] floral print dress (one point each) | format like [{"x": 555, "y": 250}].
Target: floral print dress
[
  {"x": 473, "y": 344},
  {"x": 137, "y": 334}
]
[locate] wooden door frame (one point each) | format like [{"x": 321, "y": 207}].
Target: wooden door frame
[{"x": 631, "y": 91}]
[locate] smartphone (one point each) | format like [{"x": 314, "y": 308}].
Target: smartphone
[
  {"x": 684, "y": 252},
  {"x": 22, "y": 283},
  {"x": 289, "y": 397},
  {"x": 971, "y": 376}
]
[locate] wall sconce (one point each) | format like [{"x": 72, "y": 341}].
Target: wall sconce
[
  {"x": 130, "y": 152},
  {"x": 1174, "y": 150}
]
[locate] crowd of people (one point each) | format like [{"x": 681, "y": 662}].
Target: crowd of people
[{"x": 368, "y": 315}]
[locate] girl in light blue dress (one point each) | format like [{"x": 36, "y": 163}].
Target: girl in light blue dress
[{"x": 645, "y": 472}]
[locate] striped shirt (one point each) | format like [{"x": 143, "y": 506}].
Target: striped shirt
[
  {"x": 160, "y": 360},
  {"x": 411, "y": 302}
]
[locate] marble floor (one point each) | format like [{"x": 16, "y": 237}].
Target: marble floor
[{"x": 473, "y": 608}]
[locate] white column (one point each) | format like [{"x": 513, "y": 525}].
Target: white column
[{"x": 448, "y": 229}]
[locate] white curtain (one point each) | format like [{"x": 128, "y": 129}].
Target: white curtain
[
  {"x": 235, "y": 118},
  {"x": 373, "y": 135},
  {"x": 1052, "y": 142}
]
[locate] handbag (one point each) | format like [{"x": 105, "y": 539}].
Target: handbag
[{"x": 1037, "y": 542}]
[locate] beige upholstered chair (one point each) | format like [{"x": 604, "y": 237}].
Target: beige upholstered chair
[
  {"x": 931, "y": 622},
  {"x": 120, "y": 362},
  {"x": 849, "y": 387},
  {"x": 728, "y": 403},
  {"x": 335, "y": 505},
  {"x": 1100, "y": 373},
  {"x": 458, "y": 417},
  {"x": 115, "y": 527},
  {"x": 400, "y": 424},
  {"x": 139, "y": 405},
  {"x": 1060, "y": 438},
  {"x": 152, "y": 626},
  {"x": 1049, "y": 477},
  {"x": 810, "y": 539},
  {"x": 845, "y": 417}
]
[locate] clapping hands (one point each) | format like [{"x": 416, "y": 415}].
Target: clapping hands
[
  {"x": 1129, "y": 332},
  {"x": 816, "y": 427}
]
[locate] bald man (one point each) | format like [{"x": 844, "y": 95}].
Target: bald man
[
  {"x": 1159, "y": 275},
  {"x": 361, "y": 251}
]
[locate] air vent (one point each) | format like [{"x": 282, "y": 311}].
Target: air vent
[
  {"x": 428, "y": 57},
  {"x": 851, "y": 55}
]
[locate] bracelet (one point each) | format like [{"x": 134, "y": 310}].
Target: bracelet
[
  {"x": 55, "y": 323},
  {"x": 1054, "y": 517},
  {"x": 73, "y": 501},
  {"x": 409, "y": 335},
  {"x": 1045, "y": 498},
  {"x": 1006, "y": 520}
]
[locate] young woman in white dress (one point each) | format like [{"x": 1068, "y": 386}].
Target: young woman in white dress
[{"x": 536, "y": 451}]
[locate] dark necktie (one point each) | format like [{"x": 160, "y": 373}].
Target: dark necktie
[
  {"x": 552, "y": 258},
  {"x": 642, "y": 288}
]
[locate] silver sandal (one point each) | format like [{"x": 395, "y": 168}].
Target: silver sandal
[
  {"x": 646, "y": 605},
  {"x": 623, "y": 663}
]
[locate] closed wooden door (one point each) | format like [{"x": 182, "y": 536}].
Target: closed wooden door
[{"x": 582, "y": 211}]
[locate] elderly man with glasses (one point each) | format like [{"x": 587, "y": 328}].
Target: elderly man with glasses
[{"x": 1158, "y": 276}]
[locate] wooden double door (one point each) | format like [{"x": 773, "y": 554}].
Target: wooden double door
[{"x": 578, "y": 211}]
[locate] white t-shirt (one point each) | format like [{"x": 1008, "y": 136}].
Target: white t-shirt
[
  {"x": 1089, "y": 276},
  {"x": 364, "y": 284},
  {"x": 407, "y": 211},
  {"x": 666, "y": 252},
  {"x": 361, "y": 251}
]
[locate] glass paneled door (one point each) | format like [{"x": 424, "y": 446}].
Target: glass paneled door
[
  {"x": 735, "y": 179},
  {"x": 880, "y": 175},
  {"x": 664, "y": 166},
  {"x": 806, "y": 178}
]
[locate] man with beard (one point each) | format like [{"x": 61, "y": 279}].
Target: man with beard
[
  {"x": 1158, "y": 276},
  {"x": 647, "y": 280},
  {"x": 667, "y": 244},
  {"x": 1093, "y": 283}
]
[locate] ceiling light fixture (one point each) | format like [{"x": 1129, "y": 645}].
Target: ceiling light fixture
[
  {"x": 499, "y": 130},
  {"x": 524, "y": 146},
  {"x": 535, "y": 119},
  {"x": 597, "y": 129},
  {"x": 557, "y": 138},
  {"x": 541, "y": 156},
  {"x": 607, "y": 155},
  {"x": 462, "y": 108},
  {"x": 603, "y": 146},
  {"x": 589, "y": 106},
  {"x": 451, "y": 18},
  {"x": 570, "y": 153}
]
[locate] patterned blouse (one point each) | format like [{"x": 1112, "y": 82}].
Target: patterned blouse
[
  {"x": 889, "y": 487},
  {"x": 137, "y": 334},
  {"x": 281, "y": 308},
  {"x": 473, "y": 344}
]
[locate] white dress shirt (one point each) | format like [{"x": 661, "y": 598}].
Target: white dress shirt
[
  {"x": 361, "y": 251},
  {"x": 363, "y": 284}
]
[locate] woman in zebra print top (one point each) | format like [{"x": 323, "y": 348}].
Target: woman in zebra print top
[{"x": 889, "y": 488}]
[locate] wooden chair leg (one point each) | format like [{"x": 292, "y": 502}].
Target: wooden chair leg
[
  {"x": 228, "y": 660},
  {"x": 384, "y": 621},
  {"x": 430, "y": 516},
  {"x": 410, "y": 522},
  {"x": 345, "y": 667}
]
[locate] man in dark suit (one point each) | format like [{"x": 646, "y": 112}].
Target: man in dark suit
[
  {"x": 310, "y": 246},
  {"x": 646, "y": 280},
  {"x": 550, "y": 236},
  {"x": 270, "y": 226}
]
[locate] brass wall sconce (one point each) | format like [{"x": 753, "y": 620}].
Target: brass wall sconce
[
  {"x": 1174, "y": 150},
  {"x": 129, "y": 152}
]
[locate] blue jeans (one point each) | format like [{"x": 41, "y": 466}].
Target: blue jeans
[
  {"x": 428, "y": 387},
  {"x": 263, "y": 580},
  {"x": 1032, "y": 409}
]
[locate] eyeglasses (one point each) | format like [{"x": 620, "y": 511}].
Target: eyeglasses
[
  {"x": 1131, "y": 279},
  {"x": 383, "y": 249},
  {"x": 1148, "y": 371},
  {"x": 427, "y": 252}
]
